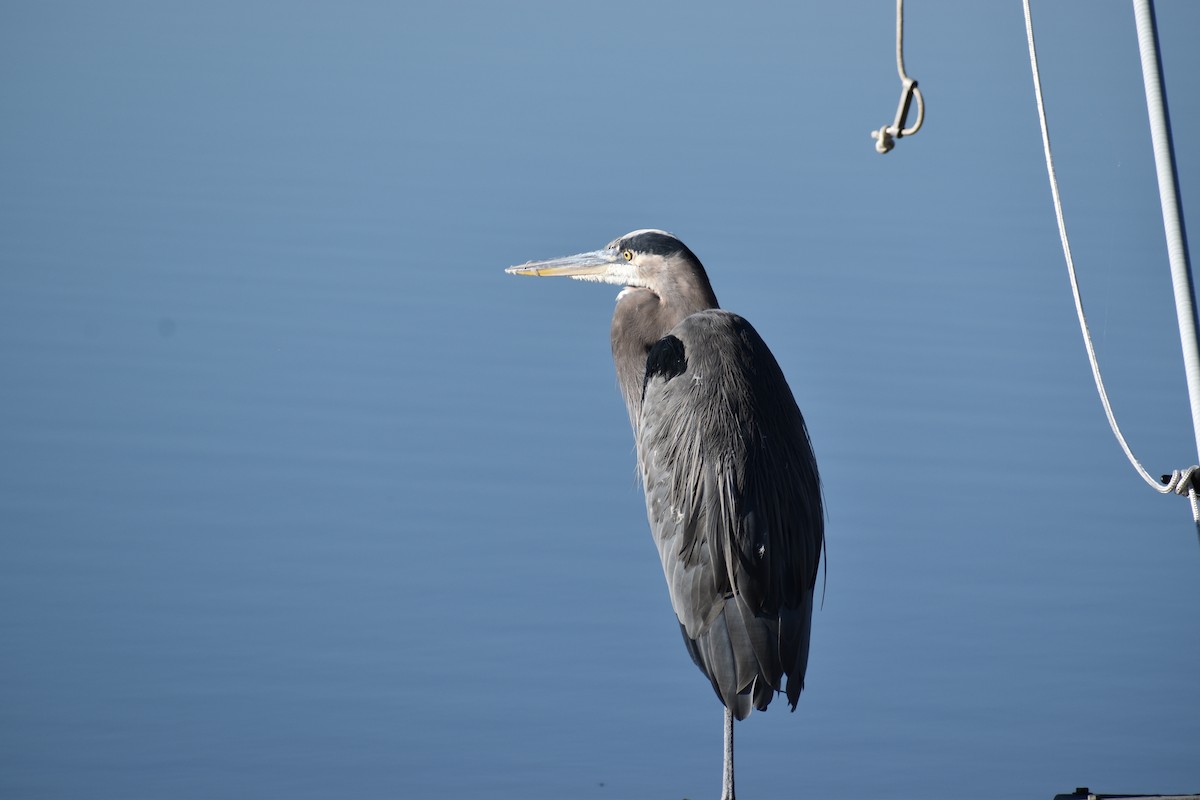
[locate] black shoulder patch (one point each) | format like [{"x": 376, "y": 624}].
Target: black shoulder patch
[{"x": 667, "y": 358}]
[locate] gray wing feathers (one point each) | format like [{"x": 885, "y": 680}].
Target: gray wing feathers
[{"x": 733, "y": 500}]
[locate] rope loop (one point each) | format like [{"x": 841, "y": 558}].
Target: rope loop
[
  {"x": 1181, "y": 482},
  {"x": 885, "y": 137}
]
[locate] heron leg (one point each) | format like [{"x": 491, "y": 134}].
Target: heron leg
[{"x": 727, "y": 776}]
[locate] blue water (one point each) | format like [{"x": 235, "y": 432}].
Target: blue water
[{"x": 302, "y": 497}]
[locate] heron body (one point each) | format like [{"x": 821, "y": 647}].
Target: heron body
[{"x": 732, "y": 489}]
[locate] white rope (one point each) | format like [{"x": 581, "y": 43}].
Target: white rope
[
  {"x": 885, "y": 137},
  {"x": 1168, "y": 192},
  {"x": 1179, "y": 482},
  {"x": 900, "y": 40}
]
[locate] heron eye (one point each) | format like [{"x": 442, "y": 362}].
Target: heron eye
[{"x": 628, "y": 255}]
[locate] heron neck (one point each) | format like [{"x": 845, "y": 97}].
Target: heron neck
[{"x": 640, "y": 319}]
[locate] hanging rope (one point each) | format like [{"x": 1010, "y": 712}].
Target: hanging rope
[
  {"x": 885, "y": 137},
  {"x": 1179, "y": 481}
]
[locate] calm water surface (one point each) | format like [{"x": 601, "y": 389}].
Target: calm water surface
[{"x": 302, "y": 497}]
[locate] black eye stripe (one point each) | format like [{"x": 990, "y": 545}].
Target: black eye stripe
[{"x": 652, "y": 243}]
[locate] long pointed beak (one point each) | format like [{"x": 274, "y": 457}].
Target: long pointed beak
[{"x": 597, "y": 262}]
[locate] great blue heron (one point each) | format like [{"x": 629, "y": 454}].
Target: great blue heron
[{"x": 732, "y": 490}]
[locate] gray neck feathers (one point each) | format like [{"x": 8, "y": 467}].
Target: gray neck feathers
[{"x": 642, "y": 317}]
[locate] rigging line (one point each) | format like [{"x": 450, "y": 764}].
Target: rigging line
[
  {"x": 1179, "y": 482},
  {"x": 900, "y": 40},
  {"x": 1168, "y": 192},
  {"x": 885, "y": 137}
]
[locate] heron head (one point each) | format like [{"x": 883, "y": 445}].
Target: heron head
[{"x": 650, "y": 259}]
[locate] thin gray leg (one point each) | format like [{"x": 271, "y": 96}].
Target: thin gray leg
[{"x": 727, "y": 777}]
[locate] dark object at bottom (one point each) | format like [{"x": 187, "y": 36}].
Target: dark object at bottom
[{"x": 1083, "y": 793}]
